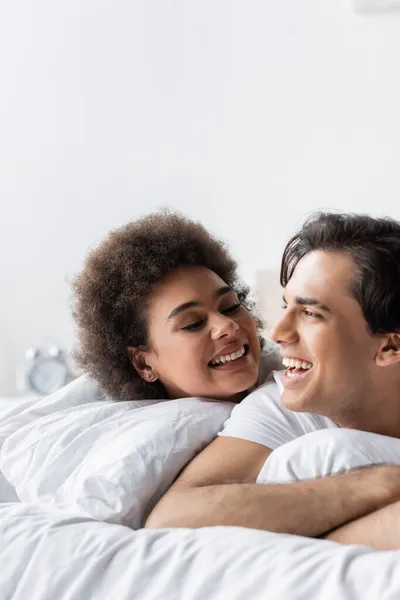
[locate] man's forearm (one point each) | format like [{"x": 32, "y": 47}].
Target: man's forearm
[
  {"x": 309, "y": 508},
  {"x": 379, "y": 530}
]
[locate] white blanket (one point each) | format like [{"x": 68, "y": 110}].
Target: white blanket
[
  {"x": 77, "y": 463},
  {"x": 52, "y": 556}
]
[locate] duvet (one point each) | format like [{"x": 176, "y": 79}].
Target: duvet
[{"x": 78, "y": 477}]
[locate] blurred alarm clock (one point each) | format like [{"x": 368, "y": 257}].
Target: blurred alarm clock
[{"x": 47, "y": 370}]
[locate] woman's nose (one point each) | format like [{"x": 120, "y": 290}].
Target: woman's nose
[{"x": 223, "y": 326}]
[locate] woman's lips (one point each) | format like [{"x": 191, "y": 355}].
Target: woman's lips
[{"x": 234, "y": 365}]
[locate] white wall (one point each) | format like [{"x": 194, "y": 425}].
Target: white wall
[{"x": 245, "y": 115}]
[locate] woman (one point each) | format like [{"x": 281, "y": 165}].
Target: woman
[{"x": 161, "y": 313}]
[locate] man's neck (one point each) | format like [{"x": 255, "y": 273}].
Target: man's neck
[{"x": 379, "y": 413}]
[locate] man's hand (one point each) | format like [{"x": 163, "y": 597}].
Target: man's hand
[{"x": 218, "y": 488}]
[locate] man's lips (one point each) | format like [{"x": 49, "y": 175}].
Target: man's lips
[
  {"x": 291, "y": 378},
  {"x": 294, "y": 362}
]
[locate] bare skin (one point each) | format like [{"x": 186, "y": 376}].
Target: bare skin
[
  {"x": 194, "y": 317},
  {"x": 353, "y": 373},
  {"x": 380, "y": 530},
  {"x": 216, "y": 490}
]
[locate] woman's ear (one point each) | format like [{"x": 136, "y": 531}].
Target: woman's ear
[
  {"x": 389, "y": 351},
  {"x": 138, "y": 358}
]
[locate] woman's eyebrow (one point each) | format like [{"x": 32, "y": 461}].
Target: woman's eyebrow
[
  {"x": 194, "y": 303},
  {"x": 223, "y": 290},
  {"x": 182, "y": 307}
]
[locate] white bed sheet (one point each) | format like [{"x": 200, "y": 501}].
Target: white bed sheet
[
  {"x": 8, "y": 408},
  {"x": 54, "y": 556},
  {"x": 53, "y": 552}
]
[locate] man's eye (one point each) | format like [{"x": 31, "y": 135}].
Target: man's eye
[
  {"x": 193, "y": 326},
  {"x": 231, "y": 310},
  {"x": 284, "y": 306},
  {"x": 308, "y": 313}
]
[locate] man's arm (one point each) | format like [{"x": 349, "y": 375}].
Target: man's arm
[
  {"x": 218, "y": 488},
  {"x": 380, "y": 530}
]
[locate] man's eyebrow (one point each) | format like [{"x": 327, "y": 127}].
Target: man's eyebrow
[
  {"x": 194, "y": 303},
  {"x": 308, "y": 301}
]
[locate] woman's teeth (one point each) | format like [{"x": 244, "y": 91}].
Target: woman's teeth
[
  {"x": 220, "y": 360},
  {"x": 294, "y": 363}
]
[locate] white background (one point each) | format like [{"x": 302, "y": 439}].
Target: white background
[{"x": 244, "y": 115}]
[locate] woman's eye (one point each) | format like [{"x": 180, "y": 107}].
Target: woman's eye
[
  {"x": 231, "y": 309},
  {"x": 193, "y": 326}
]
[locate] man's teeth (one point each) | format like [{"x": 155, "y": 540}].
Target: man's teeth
[
  {"x": 220, "y": 360},
  {"x": 294, "y": 363}
]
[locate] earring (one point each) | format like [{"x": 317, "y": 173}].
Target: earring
[{"x": 150, "y": 376}]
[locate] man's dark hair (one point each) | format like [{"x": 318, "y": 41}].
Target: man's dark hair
[
  {"x": 374, "y": 246},
  {"x": 111, "y": 294}
]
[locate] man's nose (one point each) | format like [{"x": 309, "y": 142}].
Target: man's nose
[
  {"x": 285, "y": 331},
  {"x": 223, "y": 325}
]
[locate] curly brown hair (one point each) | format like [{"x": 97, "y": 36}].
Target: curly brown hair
[{"x": 111, "y": 294}]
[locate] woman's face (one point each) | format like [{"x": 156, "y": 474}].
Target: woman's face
[{"x": 202, "y": 342}]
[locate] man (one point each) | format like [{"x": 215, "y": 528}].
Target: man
[{"x": 340, "y": 341}]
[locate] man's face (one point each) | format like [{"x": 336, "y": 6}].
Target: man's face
[{"x": 324, "y": 332}]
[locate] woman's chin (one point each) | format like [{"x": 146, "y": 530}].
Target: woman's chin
[{"x": 239, "y": 389}]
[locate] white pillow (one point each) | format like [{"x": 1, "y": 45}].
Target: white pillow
[
  {"x": 84, "y": 390},
  {"x": 21, "y": 412},
  {"x": 80, "y": 391},
  {"x": 328, "y": 452},
  {"x": 109, "y": 461}
]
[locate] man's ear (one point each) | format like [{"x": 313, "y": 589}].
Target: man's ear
[
  {"x": 389, "y": 351},
  {"x": 138, "y": 358}
]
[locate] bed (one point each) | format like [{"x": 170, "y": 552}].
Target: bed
[{"x": 74, "y": 496}]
